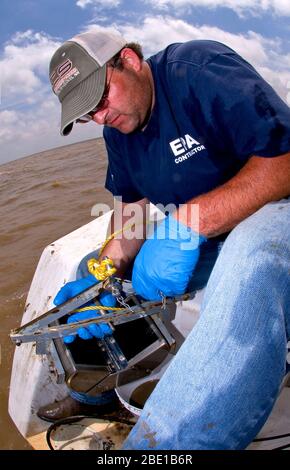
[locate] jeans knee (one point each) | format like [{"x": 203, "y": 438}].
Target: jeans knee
[{"x": 264, "y": 233}]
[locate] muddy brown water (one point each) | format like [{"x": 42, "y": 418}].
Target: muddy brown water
[{"x": 43, "y": 197}]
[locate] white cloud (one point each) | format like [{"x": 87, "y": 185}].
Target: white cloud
[
  {"x": 8, "y": 120},
  {"x": 31, "y": 112},
  {"x": 156, "y": 32},
  {"x": 28, "y": 109},
  {"x": 24, "y": 64},
  {"x": 98, "y": 3},
  {"x": 254, "y": 7},
  {"x": 37, "y": 129}
]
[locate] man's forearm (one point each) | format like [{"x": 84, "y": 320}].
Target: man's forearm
[
  {"x": 124, "y": 247},
  {"x": 122, "y": 252},
  {"x": 260, "y": 181}
]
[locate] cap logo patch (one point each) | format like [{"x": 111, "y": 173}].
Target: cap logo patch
[{"x": 62, "y": 75}]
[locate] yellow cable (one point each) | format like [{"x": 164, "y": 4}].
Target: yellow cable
[
  {"x": 102, "y": 269},
  {"x": 98, "y": 307},
  {"x": 123, "y": 229}
]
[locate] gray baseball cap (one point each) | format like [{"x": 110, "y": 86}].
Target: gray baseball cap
[{"x": 78, "y": 73}]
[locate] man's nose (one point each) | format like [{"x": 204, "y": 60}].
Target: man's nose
[{"x": 100, "y": 116}]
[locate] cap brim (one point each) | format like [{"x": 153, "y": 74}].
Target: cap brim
[{"x": 82, "y": 99}]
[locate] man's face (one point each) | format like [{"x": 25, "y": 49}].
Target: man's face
[{"x": 129, "y": 100}]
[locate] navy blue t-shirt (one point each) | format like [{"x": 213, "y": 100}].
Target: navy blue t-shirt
[{"x": 212, "y": 112}]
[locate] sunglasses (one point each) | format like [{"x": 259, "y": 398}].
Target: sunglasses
[{"x": 102, "y": 103}]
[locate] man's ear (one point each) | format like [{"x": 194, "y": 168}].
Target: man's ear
[{"x": 130, "y": 59}]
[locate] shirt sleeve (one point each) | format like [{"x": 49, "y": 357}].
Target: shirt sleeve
[
  {"x": 118, "y": 180},
  {"x": 240, "y": 110}
]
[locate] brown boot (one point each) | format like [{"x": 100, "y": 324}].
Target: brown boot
[{"x": 70, "y": 407}]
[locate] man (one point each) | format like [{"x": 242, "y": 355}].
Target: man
[{"x": 196, "y": 125}]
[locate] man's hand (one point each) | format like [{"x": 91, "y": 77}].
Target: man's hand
[
  {"x": 166, "y": 260},
  {"x": 71, "y": 289}
]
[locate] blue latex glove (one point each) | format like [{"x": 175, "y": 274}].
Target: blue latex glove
[
  {"x": 166, "y": 260},
  {"x": 71, "y": 289}
]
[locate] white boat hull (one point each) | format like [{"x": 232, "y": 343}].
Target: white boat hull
[{"x": 33, "y": 383}]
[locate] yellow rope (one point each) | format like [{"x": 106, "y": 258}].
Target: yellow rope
[
  {"x": 102, "y": 269},
  {"x": 98, "y": 307},
  {"x": 123, "y": 229}
]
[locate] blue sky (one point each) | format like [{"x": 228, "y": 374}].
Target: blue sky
[{"x": 31, "y": 30}]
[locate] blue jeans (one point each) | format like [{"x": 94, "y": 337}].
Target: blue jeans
[{"x": 221, "y": 386}]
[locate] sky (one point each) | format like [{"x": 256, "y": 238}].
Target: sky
[{"x": 31, "y": 30}]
